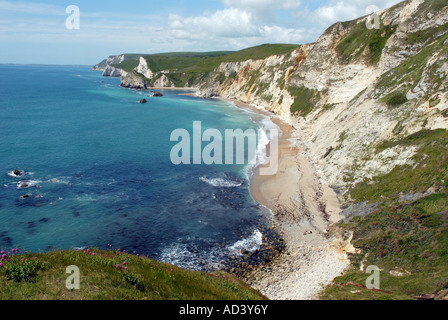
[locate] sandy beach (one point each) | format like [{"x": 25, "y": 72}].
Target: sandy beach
[{"x": 303, "y": 211}]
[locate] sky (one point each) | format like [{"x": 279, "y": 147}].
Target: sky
[{"x": 48, "y": 32}]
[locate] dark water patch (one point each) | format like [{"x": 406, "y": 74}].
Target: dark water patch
[
  {"x": 32, "y": 227},
  {"x": 230, "y": 197},
  {"x": 29, "y": 200},
  {"x": 44, "y": 220},
  {"x": 5, "y": 240}
]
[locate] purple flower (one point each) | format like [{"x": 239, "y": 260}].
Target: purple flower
[
  {"x": 117, "y": 266},
  {"x": 2, "y": 252},
  {"x": 125, "y": 268},
  {"x": 1, "y": 265},
  {"x": 125, "y": 263}
]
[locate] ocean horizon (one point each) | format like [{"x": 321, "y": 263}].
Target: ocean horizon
[{"x": 97, "y": 170}]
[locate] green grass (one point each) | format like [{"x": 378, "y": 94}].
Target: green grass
[
  {"x": 410, "y": 237},
  {"x": 430, "y": 169},
  {"x": 395, "y": 99},
  {"x": 407, "y": 75},
  {"x": 305, "y": 100},
  {"x": 100, "y": 279},
  {"x": 361, "y": 38},
  {"x": 190, "y": 67}
]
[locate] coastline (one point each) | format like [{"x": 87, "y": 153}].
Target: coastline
[{"x": 303, "y": 210}]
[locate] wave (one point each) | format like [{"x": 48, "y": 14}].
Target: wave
[
  {"x": 16, "y": 173},
  {"x": 221, "y": 183},
  {"x": 25, "y": 184},
  {"x": 250, "y": 244},
  {"x": 267, "y": 131},
  {"x": 190, "y": 257}
]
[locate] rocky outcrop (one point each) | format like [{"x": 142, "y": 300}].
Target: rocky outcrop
[
  {"x": 113, "y": 72},
  {"x": 163, "y": 82},
  {"x": 143, "y": 69},
  {"x": 110, "y": 61},
  {"x": 133, "y": 80}
]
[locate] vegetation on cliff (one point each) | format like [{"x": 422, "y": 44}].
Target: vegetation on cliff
[{"x": 111, "y": 275}]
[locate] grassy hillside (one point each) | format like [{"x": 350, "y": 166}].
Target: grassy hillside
[
  {"x": 111, "y": 275},
  {"x": 406, "y": 237},
  {"x": 190, "y": 67}
]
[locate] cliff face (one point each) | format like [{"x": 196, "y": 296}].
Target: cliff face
[
  {"x": 348, "y": 92},
  {"x": 108, "y": 69},
  {"x": 353, "y": 89},
  {"x": 133, "y": 80}
]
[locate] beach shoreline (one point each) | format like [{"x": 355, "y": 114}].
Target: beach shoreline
[{"x": 303, "y": 210}]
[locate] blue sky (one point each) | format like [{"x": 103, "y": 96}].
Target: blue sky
[{"x": 36, "y": 32}]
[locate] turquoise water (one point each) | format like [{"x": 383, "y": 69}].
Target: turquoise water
[{"x": 97, "y": 163}]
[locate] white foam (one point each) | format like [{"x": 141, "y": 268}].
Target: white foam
[
  {"x": 13, "y": 175},
  {"x": 250, "y": 244},
  {"x": 221, "y": 183},
  {"x": 178, "y": 254},
  {"x": 27, "y": 184}
]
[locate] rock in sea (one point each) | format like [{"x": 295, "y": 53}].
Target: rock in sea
[
  {"x": 157, "y": 94},
  {"x": 143, "y": 101}
]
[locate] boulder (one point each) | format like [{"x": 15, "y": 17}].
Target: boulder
[
  {"x": 143, "y": 101},
  {"x": 18, "y": 173},
  {"x": 157, "y": 94}
]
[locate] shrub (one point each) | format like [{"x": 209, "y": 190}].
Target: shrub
[
  {"x": 396, "y": 99},
  {"x": 134, "y": 280},
  {"x": 23, "y": 270}
]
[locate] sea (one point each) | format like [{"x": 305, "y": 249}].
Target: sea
[{"x": 96, "y": 170}]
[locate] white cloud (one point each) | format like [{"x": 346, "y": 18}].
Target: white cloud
[
  {"x": 225, "y": 23},
  {"x": 343, "y": 10},
  {"x": 263, "y": 9},
  {"x": 232, "y": 25}
]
